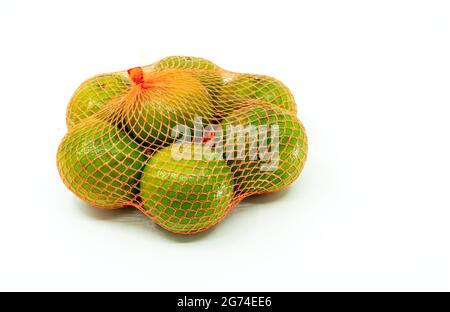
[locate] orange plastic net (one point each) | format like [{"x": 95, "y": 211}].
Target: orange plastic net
[{"x": 182, "y": 140}]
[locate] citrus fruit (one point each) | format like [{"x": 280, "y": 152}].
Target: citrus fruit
[
  {"x": 186, "y": 195},
  {"x": 164, "y": 100},
  {"x": 93, "y": 94},
  {"x": 208, "y": 73},
  {"x": 100, "y": 164},
  {"x": 265, "y": 89},
  {"x": 286, "y": 142},
  {"x": 186, "y": 62}
]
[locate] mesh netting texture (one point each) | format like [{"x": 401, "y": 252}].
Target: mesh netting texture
[{"x": 182, "y": 140}]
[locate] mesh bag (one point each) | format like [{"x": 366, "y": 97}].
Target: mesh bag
[{"x": 182, "y": 140}]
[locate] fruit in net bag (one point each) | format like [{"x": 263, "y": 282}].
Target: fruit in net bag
[
  {"x": 162, "y": 100},
  {"x": 93, "y": 94},
  {"x": 264, "y": 167},
  {"x": 100, "y": 164},
  {"x": 124, "y": 129},
  {"x": 186, "y": 195}
]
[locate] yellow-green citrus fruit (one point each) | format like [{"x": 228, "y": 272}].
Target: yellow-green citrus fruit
[
  {"x": 292, "y": 149},
  {"x": 93, "y": 94},
  {"x": 185, "y": 62},
  {"x": 100, "y": 164},
  {"x": 265, "y": 89},
  {"x": 186, "y": 196},
  {"x": 208, "y": 73},
  {"x": 166, "y": 99}
]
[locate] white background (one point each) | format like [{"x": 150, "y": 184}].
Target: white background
[{"x": 370, "y": 211}]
